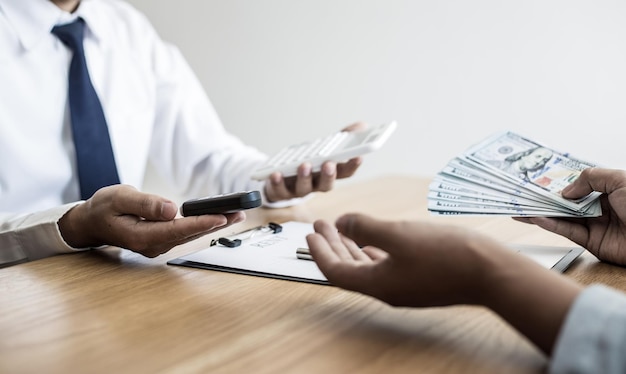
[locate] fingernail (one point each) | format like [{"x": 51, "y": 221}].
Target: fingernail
[
  {"x": 567, "y": 189},
  {"x": 275, "y": 178},
  {"x": 305, "y": 171},
  {"x": 330, "y": 168},
  {"x": 168, "y": 210}
]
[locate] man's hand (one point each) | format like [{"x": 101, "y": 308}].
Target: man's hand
[
  {"x": 124, "y": 217},
  {"x": 414, "y": 264},
  {"x": 279, "y": 188},
  {"x": 604, "y": 236},
  {"x": 419, "y": 264}
]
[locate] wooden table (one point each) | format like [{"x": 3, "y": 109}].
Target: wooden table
[{"x": 111, "y": 311}]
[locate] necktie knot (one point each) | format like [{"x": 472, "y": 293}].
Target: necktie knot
[{"x": 71, "y": 34}]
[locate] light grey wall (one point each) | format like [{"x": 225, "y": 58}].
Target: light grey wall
[{"x": 450, "y": 72}]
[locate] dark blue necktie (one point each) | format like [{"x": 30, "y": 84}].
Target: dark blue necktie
[{"x": 94, "y": 154}]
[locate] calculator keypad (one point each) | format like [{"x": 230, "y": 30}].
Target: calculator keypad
[{"x": 300, "y": 152}]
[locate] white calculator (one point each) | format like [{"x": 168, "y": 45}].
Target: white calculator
[{"x": 338, "y": 147}]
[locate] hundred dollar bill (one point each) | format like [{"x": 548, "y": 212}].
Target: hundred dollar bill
[
  {"x": 447, "y": 196},
  {"x": 470, "y": 172},
  {"x": 444, "y": 197},
  {"x": 441, "y": 207},
  {"x": 451, "y": 189},
  {"x": 532, "y": 166}
]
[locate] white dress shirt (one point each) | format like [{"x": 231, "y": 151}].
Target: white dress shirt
[{"x": 155, "y": 108}]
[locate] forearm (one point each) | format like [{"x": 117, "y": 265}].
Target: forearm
[{"x": 534, "y": 300}]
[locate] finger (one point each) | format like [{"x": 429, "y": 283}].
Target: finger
[
  {"x": 322, "y": 252},
  {"x": 327, "y": 177},
  {"x": 332, "y": 237},
  {"x": 573, "y": 230},
  {"x": 176, "y": 231},
  {"x": 391, "y": 236},
  {"x": 595, "y": 179},
  {"x": 347, "y": 169},
  {"x": 357, "y": 126},
  {"x": 354, "y": 250},
  {"x": 233, "y": 218},
  {"x": 376, "y": 254},
  {"x": 152, "y": 238},
  {"x": 304, "y": 183},
  {"x": 127, "y": 200},
  {"x": 341, "y": 273},
  {"x": 200, "y": 228},
  {"x": 275, "y": 188}
]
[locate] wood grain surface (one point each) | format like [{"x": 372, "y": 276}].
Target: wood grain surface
[{"x": 113, "y": 311}]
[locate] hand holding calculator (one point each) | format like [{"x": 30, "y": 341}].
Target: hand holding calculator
[{"x": 338, "y": 147}]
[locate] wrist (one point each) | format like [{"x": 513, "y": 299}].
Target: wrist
[
  {"x": 531, "y": 298},
  {"x": 70, "y": 228}
]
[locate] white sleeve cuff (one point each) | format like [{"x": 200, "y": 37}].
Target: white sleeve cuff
[
  {"x": 33, "y": 236},
  {"x": 593, "y": 336},
  {"x": 282, "y": 203}
]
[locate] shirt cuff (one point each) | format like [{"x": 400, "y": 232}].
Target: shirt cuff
[
  {"x": 33, "y": 236},
  {"x": 282, "y": 203},
  {"x": 593, "y": 335}
]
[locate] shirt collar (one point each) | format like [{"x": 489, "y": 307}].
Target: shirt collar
[{"x": 33, "y": 20}]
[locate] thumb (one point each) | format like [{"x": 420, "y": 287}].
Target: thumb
[
  {"x": 148, "y": 206},
  {"x": 595, "y": 179}
]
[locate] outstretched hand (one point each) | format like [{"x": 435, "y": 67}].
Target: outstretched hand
[
  {"x": 144, "y": 223},
  {"x": 402, "y": 263}
]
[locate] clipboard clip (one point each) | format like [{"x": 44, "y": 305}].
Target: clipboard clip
[{"x": 237, "y": 239}]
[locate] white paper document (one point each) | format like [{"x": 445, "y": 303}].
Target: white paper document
[{"x": 271, "y": 255}]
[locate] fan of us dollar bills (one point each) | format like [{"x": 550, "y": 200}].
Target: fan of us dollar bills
[{"x": 509, "y": 175}]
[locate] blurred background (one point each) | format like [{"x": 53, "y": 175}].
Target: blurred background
[{"x": 451, "y": 72}]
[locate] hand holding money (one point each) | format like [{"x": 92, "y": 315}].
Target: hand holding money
[{"x": 510, "y": 175}]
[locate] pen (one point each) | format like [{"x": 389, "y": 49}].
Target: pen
[{"x": 304, "y": 254}]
